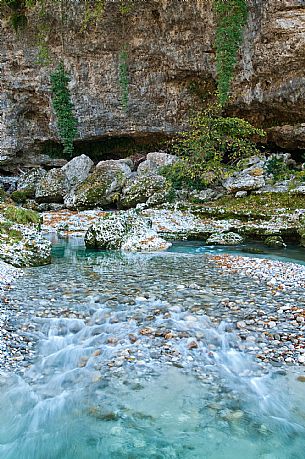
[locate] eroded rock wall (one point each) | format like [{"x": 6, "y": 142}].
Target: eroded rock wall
[{"x": 170, "y": 50}]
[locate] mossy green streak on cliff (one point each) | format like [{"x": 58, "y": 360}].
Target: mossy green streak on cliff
[
  {"x": 63, "y": 107},
  {"x": 123, "y": 78},
  {"x": 231, "y": 17}
]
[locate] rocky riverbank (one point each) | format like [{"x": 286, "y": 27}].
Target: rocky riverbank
[{"x": 16, "y": 348}]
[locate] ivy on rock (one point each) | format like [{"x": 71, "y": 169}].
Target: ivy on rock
[
  {"x": 231, "y": 17},
  {"x": 63, "y": 108}
]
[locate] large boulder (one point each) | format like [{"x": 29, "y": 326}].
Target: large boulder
[
  {"x": 21, "y": 244},
  {"x": 29, "y": 180},
  {"x": 77, "y": 170},
  {"x": 154, "y": 162},
  {"x": 52, "y": 187},
  {"x": 138, "y": 189},
  {"x": 124, "y": 230},
  {"x": 250, "y": 179},
  {"x": 102, "y": 188}
]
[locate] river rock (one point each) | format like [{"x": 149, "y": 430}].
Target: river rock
[
  {"x": 127, "y": 231},
  {"x": 78, "y": 169},
  {"x": 52, "y": 187},
  {"x": 102, "y": 188},
  {"x": 275, "y": 242},
  {"x": 139, "y": 189},
  {"x": 229, "y": 238},
  {"x": 154, "y": 161}
]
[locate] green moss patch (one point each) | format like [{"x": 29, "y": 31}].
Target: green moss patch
[{"x": 20, "y": 215}]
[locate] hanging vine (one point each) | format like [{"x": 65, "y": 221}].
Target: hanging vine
[
  {"x": 63, "y": 108},
  {"x": 231, "y": 17}
]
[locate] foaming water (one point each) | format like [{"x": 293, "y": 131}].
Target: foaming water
[{"x": 145, "y": 371}]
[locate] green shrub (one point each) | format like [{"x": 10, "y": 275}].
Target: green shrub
[
  {"x": 211, "y": 149},
  {"x": 21, "y": 215},
  {"x": 277, "y": 168}
]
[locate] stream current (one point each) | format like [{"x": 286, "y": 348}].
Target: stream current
[{"x": 137, "y": 359}]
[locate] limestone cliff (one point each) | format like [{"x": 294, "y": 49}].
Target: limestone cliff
[{"x": 170, "y": 52}]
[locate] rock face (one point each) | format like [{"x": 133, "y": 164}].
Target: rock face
[
  {"x": 170, "y": 49},
  {"x": 127, "y": 231}
]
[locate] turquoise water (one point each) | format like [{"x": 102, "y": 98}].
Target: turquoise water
[{"x": 117, "y": 376}]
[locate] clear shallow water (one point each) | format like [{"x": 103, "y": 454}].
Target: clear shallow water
[{"x": 117, "y": 376}]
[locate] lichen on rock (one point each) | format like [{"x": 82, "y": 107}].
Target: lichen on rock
[
  {"x": 139, "y": 189},
  {"x": 126, "y": 231},
  {"x": 21, "y": 243},
  {"x": 229, "y": 238},
  {"x": 101, "y": 188}
]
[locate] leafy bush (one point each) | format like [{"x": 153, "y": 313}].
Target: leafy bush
[
  {"x": 211, "y": 149},
  {"x": 277, "y": 168}
]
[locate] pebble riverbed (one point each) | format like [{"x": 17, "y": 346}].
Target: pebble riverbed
[{"x": 161, "y": 302}]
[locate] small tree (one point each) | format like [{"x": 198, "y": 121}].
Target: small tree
[{"x": 211, "y": 149}]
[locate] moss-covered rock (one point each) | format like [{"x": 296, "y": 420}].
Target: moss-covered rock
[
  {"x": 102, "y": 188},
  {"x": 275, "y": 242},
  {"x": 139, "y": 189},
  {"x": 20, "y": 215},
  {"x": 301, "y": 230},
  {"x": 21, "y": 243}
]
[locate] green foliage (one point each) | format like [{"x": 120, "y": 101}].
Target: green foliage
[
  {"x": 125, "y": 6},
  {"x": 277, "y": 168},
  {"x": 3, "y": 195},
  {"x": 21, "y": 215},
  {"x": 63, "y": 108},
  {"x": 20, "y": 197},
  {"x": 93, "y": 11},
  {"x": 184, "y": 174},
  {"x": 7, "y": 234},
  {"x": 231, "y": 17},
  {"x": 212, "y": 148},
  {"x": 18, "y": 20},
  {"x": 123, "y": 78}
]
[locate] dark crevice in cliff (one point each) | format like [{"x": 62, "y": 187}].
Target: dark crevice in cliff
[
  {"x": 110, "y": 146},
  {"x": 297, "y": 155},
  {"x": 121, "y": 146}
]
